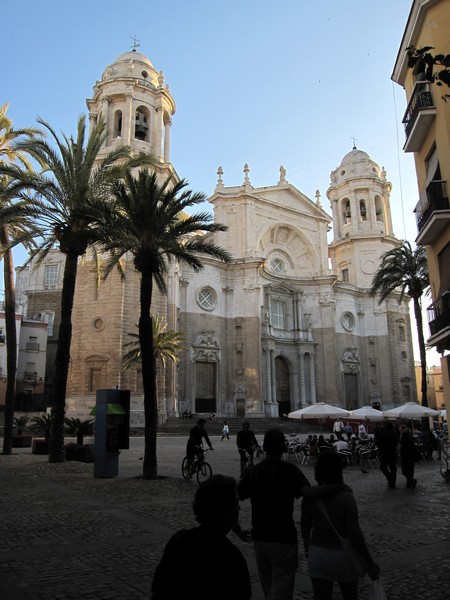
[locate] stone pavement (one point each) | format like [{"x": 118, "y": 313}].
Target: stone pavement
[{"x": 67, "y": 535}]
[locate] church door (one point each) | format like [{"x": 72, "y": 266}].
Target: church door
[
  {"x": 351, "y": 391},
  {"x": 205, "y": 392},
  {"x": 283, "y": 389}
]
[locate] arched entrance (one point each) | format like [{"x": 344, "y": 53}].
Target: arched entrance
[{"x": 283, "y": 390}]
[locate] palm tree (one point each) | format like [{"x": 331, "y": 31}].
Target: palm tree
[
  {"x": 79, "y": 428},
  {"x": 69, "y": 193},
  {"x": 146, "y": 219},
  {"x": 406, "y": 269},
  {"x": 167, "y": 345},
  {"x": 11, "y": 223}
]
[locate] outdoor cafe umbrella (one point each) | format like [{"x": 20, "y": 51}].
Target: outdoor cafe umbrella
[
  {"x": 320, "y": 410},
  {"x": 410, "y": 410},
  {"x": 367, "y": 413}
]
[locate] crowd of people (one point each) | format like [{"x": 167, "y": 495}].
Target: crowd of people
[
  {"x": 272, "y": 486},
  {"x": 329, "y": 514}
]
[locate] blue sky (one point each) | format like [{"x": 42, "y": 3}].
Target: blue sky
[{"x": 255, "y": 81}]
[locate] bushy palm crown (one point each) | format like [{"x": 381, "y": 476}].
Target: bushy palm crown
[
  {"x": 167, "y": 344},
  {"x": 73, "y": 185},
  {"x": 404, "y": 269},
  {"x": 14, "y": 166},
  {"x": 147, "y": 219}
]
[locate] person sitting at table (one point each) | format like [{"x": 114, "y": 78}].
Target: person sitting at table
[{"x": 323, "y": 444}]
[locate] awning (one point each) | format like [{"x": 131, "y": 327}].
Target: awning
[{"x": 111, "y": 409}]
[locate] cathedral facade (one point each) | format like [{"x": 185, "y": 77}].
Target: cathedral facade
[{"x": 289, "y": 322}]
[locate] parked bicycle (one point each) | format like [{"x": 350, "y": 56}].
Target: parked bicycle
[
  {"x": 198, "y": 467},
  {"x": 445, "y": 459}
]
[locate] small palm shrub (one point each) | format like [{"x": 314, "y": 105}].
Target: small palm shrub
[
  {"x": 80, "y": 429},
  {"x": 20, "y": 423},
  {"x": 41, "y": 425}
]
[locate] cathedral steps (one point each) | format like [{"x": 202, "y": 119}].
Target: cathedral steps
[{"x": 180, "y": 426}]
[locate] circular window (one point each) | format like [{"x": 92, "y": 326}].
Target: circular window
[
  {"x": 277, "y": 265},
  {"x": 342, "y": 172},
  {"x": 98, "y": 324},
  {"x": 207, "y": 298},
  {"x": 144, "y": 74},
  {"x": 348, "y": 321}
]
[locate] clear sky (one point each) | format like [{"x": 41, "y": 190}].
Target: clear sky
[{"x": 261, "y": 82}]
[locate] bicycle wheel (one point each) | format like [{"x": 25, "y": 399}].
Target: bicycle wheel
[
  {"x": 185, "y": 468},
  {"x": 204, "y": 472},
  {"x": 445, "y": 472}
]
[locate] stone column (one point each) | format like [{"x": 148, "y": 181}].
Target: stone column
[
  {"x": 313, "y": 379},
  {"x": 302, "y": 379},
  {"x": 128, "y": 126},
  {"x": 266, "y": 351},
  {"x": 159, "y": 126},
  {"x": 167, "y": 125},
  {"x": 105, "y": 114}
]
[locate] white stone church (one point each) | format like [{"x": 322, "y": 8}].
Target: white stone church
[{"x": 288, "y": 323}]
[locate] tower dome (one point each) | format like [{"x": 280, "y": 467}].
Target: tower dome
[
  {"x": 136, "y": 105},
  {"x": 356, "y": 163},
  {"x": 133, "y": 65}
]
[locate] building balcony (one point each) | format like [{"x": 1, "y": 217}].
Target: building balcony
[
  {"x": 34, "y": 346},
  {"x": 439, "y": 322},
  {"x": 419, "y": 116},
  {"x": 432, "y": 213}
]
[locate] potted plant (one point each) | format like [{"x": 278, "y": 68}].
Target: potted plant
[
  {"x": 21, "y": 439},
  {"x": 80, "y": 429},
  {"x": 40, "y": 426}
]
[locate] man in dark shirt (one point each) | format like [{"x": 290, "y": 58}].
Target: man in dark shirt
[
  {"x": 387, "y": 442},
  {"x": 247, "y": 444},
  {"x": 272, "y": 486},
  {"x": 194, "y": 445},
  {"x": 202, "y": 563}
]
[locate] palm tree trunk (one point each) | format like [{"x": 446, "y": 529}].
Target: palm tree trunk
[
  {"x": 11, "y": 340},
  {"x": 62, "y": 360},
  {"x": 423, "y": 360},
  {"x": 422, "y": 352},
  {"x": 150, "y": 467}
]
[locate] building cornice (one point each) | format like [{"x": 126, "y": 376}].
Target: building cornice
[{"x": 413, "y": 28}]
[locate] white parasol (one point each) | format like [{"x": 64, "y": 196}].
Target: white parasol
[
  {"x": 410, "y": 410},
  {"x": 320, "y": 410},
  {"x": 367, "y": 413}
]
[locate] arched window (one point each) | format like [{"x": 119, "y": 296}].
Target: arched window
[
  {"x": 347, "y": 214},
  {"x": 141, "y": 126},
  {"x": 118, "y": 124},
  {"x": 362, "y": 210}
]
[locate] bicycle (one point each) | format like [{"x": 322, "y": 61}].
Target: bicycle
[
  {"x": 199, "y": 467},
  {"x": 444, "y": 468},
  {"x": 249, "y": 460}
]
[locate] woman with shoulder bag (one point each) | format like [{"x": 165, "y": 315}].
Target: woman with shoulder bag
[{"x": 329, "y": 524}]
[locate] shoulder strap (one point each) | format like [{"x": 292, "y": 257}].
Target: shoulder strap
[{"x": 324, "y": 511}]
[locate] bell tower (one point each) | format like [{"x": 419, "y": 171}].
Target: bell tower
[
  {"x": 359, "y": 195},
  {"x": 137, "y": 106}
]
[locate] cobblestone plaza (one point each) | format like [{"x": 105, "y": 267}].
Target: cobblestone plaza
[{"x": 68, "y": 535}]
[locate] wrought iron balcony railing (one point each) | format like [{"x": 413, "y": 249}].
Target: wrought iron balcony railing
[
  {"x": 421, "y": 99},
  {"x": 439, "y": 314},
  {"x": 32, "y": 346},
  {"x": 436, "y": 199}
]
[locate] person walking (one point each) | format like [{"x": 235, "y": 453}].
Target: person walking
[
  {"x": 408, "y": 457},
  {"x": 338, "y": 428},
  {"x": 272, "y": 486},
  {"x": 216, "y": 508},
  {"x": 225, "y": 432},
  {"x": 326, "y": 559},
  {"x": 247, "y": 444},
  {"x": 387, "y": 442}
]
